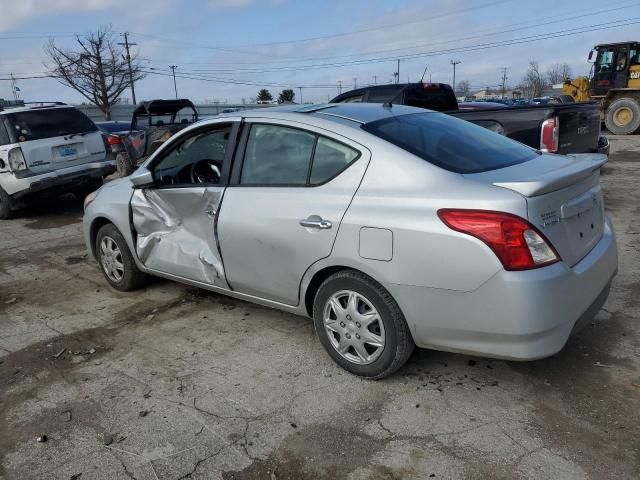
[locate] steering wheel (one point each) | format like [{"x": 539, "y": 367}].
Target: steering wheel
[{"x": 205, "y": 171}]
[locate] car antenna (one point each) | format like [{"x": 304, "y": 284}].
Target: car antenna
[{"x": 424, "y": 73}]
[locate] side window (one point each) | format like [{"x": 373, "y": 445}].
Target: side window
[
  {"x": 354, "y": 99},
  {"x": 621, "y": 64},
  {"x": 196, "y": 160},
  {"x": 277, "y": 155},
  {"x": 330, "y": 159},
  {"x": 605, "y": 58},
  {"x": 4, "y": 136}
]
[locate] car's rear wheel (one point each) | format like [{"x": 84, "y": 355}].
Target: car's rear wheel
[
  {"x": 361, "y": 326},
  {"x": 116, "y": 262},
  {"x": 124, "y": 164},
  {"x": 6, "y": 205}
]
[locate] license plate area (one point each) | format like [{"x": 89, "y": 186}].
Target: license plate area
[
  {"x": 584, "y": 229},
  {"x": 67, "y": 152}
]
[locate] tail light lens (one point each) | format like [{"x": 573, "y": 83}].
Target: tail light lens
[
  {"x": 517, "y": 244},
  {"x": 114, "y": 140},
  {"x": 16, "y": 160},
  {"x": 549, "y": 135}
]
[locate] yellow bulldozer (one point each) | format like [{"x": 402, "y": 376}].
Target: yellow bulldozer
[{"x": 614, "y": 81}]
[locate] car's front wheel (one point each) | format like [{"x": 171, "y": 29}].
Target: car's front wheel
[
  {"x": 116, "y": 262},
  {"x": 361, "y": 326}
]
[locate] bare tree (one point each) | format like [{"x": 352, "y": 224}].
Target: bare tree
[
  {"x": 558, "y": 73},
  {"x": 534, "y": 82},
  {"x": 97, "y": 69},
  {"x": 463, "y": 88}
]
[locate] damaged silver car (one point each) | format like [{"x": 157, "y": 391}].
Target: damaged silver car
[{"x": 390, "y": 226}]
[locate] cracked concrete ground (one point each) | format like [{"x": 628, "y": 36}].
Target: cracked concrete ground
[{"x": 171, "y": 382}]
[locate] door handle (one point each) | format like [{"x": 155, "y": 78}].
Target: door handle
[
  {"x": 210, "y": 212},
  {"x": 316, "y": 222}
]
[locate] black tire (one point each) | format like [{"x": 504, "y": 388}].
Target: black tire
[
  {"x": 6, "y": 205},
  {"x": 132, "y": 277},
  {"x": 398, "y": 344},
  {"x": 124, "y": 164},
  {"x": 613, "y": 117}
]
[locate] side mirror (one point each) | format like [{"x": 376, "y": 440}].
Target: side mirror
[
  {"x": 590, "y": 59},
  {"x": 141, "y": 178}
]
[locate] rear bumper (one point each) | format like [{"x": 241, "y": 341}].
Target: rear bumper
[
  {"x": 66, "y": 177},
  {"x": 514, "y": 315}
]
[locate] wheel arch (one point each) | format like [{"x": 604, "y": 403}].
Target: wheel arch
[
  {"x": 95, "y": 227},
  {"x": 315, "y": 276}
]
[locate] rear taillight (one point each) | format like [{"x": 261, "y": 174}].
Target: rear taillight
[
  {"x": 549, "y": 135},
  {"x": 114, "y": 140},
  {"x": 516, "y": 243},
  {"x": 16, "y": 160}
]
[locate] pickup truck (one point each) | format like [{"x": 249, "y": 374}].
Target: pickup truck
[{"x": 560, "y": 128}]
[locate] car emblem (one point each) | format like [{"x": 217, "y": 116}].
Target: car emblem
[{"x": 549, "y": 218}]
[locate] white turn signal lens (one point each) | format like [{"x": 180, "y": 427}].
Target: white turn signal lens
[{"x": 540, "y": 250}]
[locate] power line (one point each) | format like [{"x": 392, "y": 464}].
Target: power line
[
  {"x": 337, "y": 35},
  {"x": 460, "y": 49},
  {"x": 548, "y": 21}
]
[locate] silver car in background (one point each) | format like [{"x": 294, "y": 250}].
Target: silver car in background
[{"x": 390, "y": 226}]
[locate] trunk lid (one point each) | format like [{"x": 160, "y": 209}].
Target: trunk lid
[
  {"x": 564, "y": 199},
  {"x": 579, "y": 127},
  {"x": 50, "y": 154}
]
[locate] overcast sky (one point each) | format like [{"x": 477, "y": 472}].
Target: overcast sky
[{"x": 313, "y": 44}]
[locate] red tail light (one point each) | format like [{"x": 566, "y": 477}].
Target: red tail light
[
  {"x": 516, "y": 243},
  {"x": 549, "y": 135},
  {"x": 114, "y": 140}
]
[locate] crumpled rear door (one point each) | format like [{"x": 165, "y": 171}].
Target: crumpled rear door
[{"x": 176, "y": 232}]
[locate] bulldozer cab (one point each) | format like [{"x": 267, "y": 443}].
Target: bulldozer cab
[{"x": 616, "y": 66}]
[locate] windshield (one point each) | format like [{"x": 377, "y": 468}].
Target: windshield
[
  {"x": 450, "y": 143},
  {"x": 47, "y": 123}
]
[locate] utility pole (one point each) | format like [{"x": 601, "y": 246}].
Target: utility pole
[
  {"x": 126, "y": 45},
  {"x": 14, "y": 88},
  {"x": 300, "y": 88},
  {"x": 504, "y": 80},
  {"x": 375, "y": 79},
  {"x": 398, "y": 72},
  {"x": 454, "y": 63},
  {"x": 339, "y": 87},
  {"x": 175, "y": 87},
  {"x": 355, "y": 82}
]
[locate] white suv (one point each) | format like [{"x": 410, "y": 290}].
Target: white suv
[{"x": 48, "y": 147}]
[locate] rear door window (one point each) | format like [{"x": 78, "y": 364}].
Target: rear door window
[
  {"x": 277, "y": 155},
  {"x": 284, "y": 156},
  {"x": 47, "y": 123},
  {"x": 330, "y": 158},
  {"x": 450, "y": 143}
]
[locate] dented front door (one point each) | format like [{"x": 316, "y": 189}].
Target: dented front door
[{"x": 176, "y": 231}]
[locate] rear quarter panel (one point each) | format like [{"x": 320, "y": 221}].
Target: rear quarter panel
[{"x": 402, "y": 193}]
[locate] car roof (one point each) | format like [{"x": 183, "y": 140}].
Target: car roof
[
  {"x": 31, "y": 108},
  {"x": 356, "y": 112}
]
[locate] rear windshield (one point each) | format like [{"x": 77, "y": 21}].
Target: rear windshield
[
  {"x": 114, "y": 127},
  {"x": 450, "y": 143},
  {"x": 47, "y": 123},
  {"x": 439, "y": 99}
]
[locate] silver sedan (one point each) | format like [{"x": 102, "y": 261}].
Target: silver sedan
[{"x": 390, "y": 226}]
